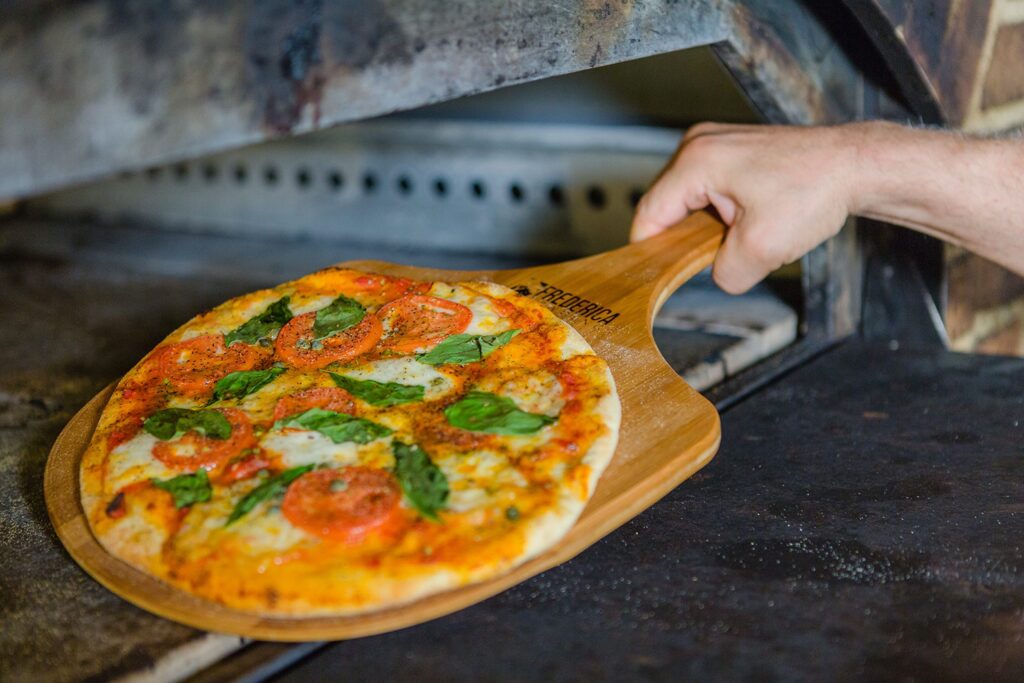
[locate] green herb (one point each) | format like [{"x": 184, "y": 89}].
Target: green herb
[
  {"x": 338, "y": 427},
  {"x": 337, "y": 316},
  {"x": 263, "y": 327},
  {"x": 187, "y": 489},
  {"x": 244, "y": 382},
  {"x": 380, "y": 394},
  {"x": 171, "y": 423},
  {"x": 423, "y": 483},
  {"x": 461, "y": 349},
  {"x": 479, "y": 411},
  {"x": 512, "y": 513},
  {"x": 271, "y": 488}
]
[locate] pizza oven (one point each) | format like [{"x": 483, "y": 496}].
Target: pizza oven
[{"x": 862, "y": 518}]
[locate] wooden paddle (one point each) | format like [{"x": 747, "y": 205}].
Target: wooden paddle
[{"x": 669, "y": 431}]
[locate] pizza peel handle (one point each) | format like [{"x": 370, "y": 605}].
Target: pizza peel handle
[
  {"x": 668, "y": 432},
  {"x": 629, "y": 283}
]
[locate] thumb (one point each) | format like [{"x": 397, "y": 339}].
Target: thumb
[
  {"x": 660, "y": 208},
  {"x": 672, "y": 198}
]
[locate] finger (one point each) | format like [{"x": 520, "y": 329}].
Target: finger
[
  {"x": 727, "y": 208},
  {"x": 647, "y": 225},
  {"x": 644, "y": 225},
  {"x": 686, "y": 183},
  {"x": 748, "y": 254},
  {"x": 673, "y": 196},
  {"x": 732, "y": 272}
]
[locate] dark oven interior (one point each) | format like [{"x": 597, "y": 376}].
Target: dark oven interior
[{"x": 159, "y": 158}]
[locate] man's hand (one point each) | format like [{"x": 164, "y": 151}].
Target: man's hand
[
  {"x": 781, "y": 190},
  {"x": 784, "y": 190}
]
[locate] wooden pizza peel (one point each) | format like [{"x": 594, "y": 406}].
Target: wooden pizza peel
[{"x": 669, "y": 431}]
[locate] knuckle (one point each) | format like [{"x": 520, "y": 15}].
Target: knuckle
[
  {"x": 763, "y": 247},
  {"x": 725, "y": 280},
  {"x": 702, "y": 148}
]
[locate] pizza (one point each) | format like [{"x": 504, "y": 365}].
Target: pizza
[{"x": 350, "y": 441}]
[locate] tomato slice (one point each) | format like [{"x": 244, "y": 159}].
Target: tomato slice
[
  {"x": 243, "y": 467},
  {"x": 344, "y": 505},
  {"x": 139, "y": 400},
  {"x": 295, "y": 345},
  {"x": 328, "y": 398},
  {"x": 371, "y": 289},
  {"x": 192, "y": 367},
  {"x": 385, "y": 288},
  {"x": 127, "y": 427},
  {"x": 193, "y": 451},
  {"x": 417, "y": 322}
]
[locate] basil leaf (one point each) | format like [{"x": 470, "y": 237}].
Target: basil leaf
[
  {"x": 423, "y": 482},
  {"x": 380, "y": 394},
  {"x": 337, "y": 316},
  {"x": 479, "y": 411},
  {"x": 271, "y": 488},
  {"x": 244, "y": 382},
  {"x": 461, "y": 349},
  {"x": 263, "y": 327},
  {"x": 171, "y": 423},
  {"x": 338, "y": 427},
  {"x": 187, "y": 489}
]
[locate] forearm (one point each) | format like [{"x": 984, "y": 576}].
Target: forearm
[{"x": 969, "y": 191}]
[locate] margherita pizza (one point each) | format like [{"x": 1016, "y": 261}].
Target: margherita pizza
[{"x": 349, "y": 442}]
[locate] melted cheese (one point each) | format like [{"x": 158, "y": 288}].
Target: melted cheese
[
  {"x": 297, "y": 447},
  {"x": 307, "y": 303},
  {"x": 474, "y": 479},
  {"x": 266, "y": 529},
  {"x": 573, "y": 345},
  {"x": 133, "y": 461},
  {"x": 404, "y": 370},
  {"x": 486, "y": 318},
  {"x": 538, "y": 391},
  {"x": 142, "y": 537},
  {"x": 260, "y": 404},
  {"x": 263, "y": 529},
  {"x": 225, "y": 318}
]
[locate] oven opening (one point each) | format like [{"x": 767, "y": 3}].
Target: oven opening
[
  {"x": 543, "y": 171},
  {"x": 158, "y": 159}
]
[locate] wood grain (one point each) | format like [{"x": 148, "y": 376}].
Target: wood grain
[{"x": 669, "y": 431}]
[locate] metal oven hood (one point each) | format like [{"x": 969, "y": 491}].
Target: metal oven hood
[{"x": 95, "y": 87}]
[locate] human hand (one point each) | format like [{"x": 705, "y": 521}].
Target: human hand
[{"x": 782, "y": 190}]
